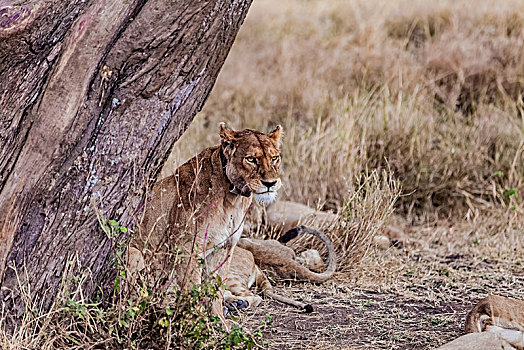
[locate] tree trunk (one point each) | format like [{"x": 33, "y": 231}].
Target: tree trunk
[{"x": 93, "y": 95}]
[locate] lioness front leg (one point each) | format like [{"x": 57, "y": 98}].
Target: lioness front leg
[{"x": 217, "y": 261}]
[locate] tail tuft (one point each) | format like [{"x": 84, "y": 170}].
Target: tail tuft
[
  {"x": 308, "y": 308},
  {"x": 289, "y": 235}
]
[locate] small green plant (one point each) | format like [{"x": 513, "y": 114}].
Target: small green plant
[
  {"x": 237, "y": 337},
  {"x": 367, "y": 303},
  {"x": 439, "y": 322},
  {"x": 113, "y": 231},
  {"x": 443, "y": 272},
  {"x": 508, "y": 194},
  {"x": 77, "y": 309}
]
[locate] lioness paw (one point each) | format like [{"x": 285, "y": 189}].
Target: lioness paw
[{"x": 236, "y": 305}]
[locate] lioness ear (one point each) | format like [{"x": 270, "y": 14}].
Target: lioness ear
[
  {"x": 277, "y": 135},
  {"x": 226, "y": 133}
]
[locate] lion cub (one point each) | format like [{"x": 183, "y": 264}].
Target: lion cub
[
  {"x": 500, "y": 315},
  {"x": 195, "y": 217},
  {"x": 276, "y": 257}
]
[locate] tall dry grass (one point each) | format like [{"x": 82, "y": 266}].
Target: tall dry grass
[
  {"x": 148, "y": 319},
  {"x": 430, "y": 90}
]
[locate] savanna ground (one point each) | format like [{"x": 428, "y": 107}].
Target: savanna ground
[
  {"x": 407, "y": 113},
  {"x": 430, "y": 92}
]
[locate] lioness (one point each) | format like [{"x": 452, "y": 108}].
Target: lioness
[
  {"x": 281, "y": 216},
  {"x": 500, "y": 315},
  {"x": 195, "y": 217},
  {"x": 281, "y": 260}
]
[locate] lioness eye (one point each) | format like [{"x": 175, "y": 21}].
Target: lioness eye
[
  {"x": 251, "y": 160},
  {"x": 275, "y": 158}
]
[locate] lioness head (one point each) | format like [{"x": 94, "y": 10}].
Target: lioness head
[{"x": 252, "y": 161}]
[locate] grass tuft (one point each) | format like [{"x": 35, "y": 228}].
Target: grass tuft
[{"x": 145, "y": 321}]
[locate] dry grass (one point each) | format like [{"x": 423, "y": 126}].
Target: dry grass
[
  {"x": 412, "y": 298},
  {"x": 367, "y": 209},
  {"x": 431, "y": 91},
  {"x": 151, "y": 320},
  {"x": 134, "y": 315}
]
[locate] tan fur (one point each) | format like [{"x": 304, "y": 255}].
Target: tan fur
[
  {"x": 312, "y": 260},
  {"x": 394, "y": 237},
  {"x": 478, "y": 341},
  {"x": 281, "y": 260},
  {"x": 501, "y": 315},
  {"x": 284, "y": 215},
  {"x": 281, "y": 216},
  {"x": 199, "y": 211},
  {"x": 243, "y": 273},
  {"x": 273, "y": 256}
]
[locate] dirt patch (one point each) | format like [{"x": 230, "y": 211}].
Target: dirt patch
[
  {"x": 346, "y": 318},
  {"x": 401, "y": 299}
]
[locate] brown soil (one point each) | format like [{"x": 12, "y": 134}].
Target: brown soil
[
  {"x": 364, "y": 319},
  {"x": 421, "y": 304}
]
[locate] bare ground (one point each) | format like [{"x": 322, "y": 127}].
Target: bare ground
[{"x": 404, "y": 299}]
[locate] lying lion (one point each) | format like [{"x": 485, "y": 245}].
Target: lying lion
[
  {"x": 494, "y": 323},
  {"x": 252, "y": 256},
  {"x": 281, "y": 216},
  {"x": 500, "y": 315}
]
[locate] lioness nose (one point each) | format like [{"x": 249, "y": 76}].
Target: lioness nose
[{"x": 269, "y": 184}]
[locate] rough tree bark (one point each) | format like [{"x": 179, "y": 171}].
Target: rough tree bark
[{"x": 93, "y": 95}]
